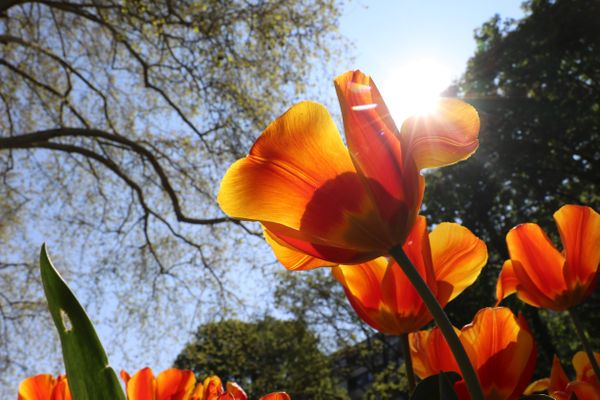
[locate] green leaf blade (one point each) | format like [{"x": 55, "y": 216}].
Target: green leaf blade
[{"x": 89, "y": 375}]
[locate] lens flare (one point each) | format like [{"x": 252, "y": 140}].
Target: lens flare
[{"x": 414, "y": 88}]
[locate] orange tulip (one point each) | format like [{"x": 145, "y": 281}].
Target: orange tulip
[
  {"x": 176, "y": 384},
  {"x": 44, "y": 387},
  {"x": 584, "y": 387},
  {"x": 500, "y": 347},
  {"x": 449, "y": 259},
  {"x": 345, "y": 205},
  {"x": 171, "y": 384},
  {"x": 540, "y": 274}
]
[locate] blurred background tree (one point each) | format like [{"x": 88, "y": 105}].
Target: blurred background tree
[
  {"x": 536, "y": 85},
  {"x": 118, "y": 118},
  {"x": 264, "y": 356}
]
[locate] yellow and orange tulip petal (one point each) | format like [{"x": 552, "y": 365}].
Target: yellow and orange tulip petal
[
  {"x": 141, "y": 386},
  {"x": 583, "y": 367},
  {"x": 448, "y": 259},
  {"x": 443, "y": 137},
  {"x": 44, "y": 387},
  {"x": 499, "y": 346},
  {"x": 496, "y": 337},
  {"x": 540, "y": 274},
  {"x": 171, "y": 384},
  {"x": 387, "y": 171},
  {"x": 431, "y": 354},
  {"x": 337, "y": 204},
  {"x": 458, "y": 257},
  {"x": 175, "y": 384},
  {"x": 584, "y": 387}
]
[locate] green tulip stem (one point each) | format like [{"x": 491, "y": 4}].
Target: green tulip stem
[
  {"x": 585, "y": 342},
  {"x": 442, "y": 321},
  {"x": 410, "y": 372}
]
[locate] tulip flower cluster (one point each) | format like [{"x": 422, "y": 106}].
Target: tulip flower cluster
[
  {"x": 585, "y": 386},
  {"x": 171, "y": 384},
  {"x": 355, "y": 209}
]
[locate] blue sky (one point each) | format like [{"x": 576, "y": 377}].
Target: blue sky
[
  {"x": 416, "y": 43},
  {"x": 386, "y": 36}
]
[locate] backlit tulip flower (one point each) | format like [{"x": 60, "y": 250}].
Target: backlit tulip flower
[
  {"x": 176, "y": 384},
  {"x": 345, "y": 204},
  {"x": 499, "y": 345},
  {"x": 449, "y": 259},
  {"x": 585, "y": 386},
  {"x": 44, "y": 387},
  {"x": 544, "y": 277}
]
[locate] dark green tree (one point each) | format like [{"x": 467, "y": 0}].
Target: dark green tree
[
  {"x": 263, "y": 356},
  {"x": 536, "y": 85}
]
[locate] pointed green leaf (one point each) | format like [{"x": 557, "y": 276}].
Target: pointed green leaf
[
  {"x": 88, "y": 373},
  {"x": 437, "y": 387}
]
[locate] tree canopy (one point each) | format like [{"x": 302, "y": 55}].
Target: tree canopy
[
  {"x": 117, "y": 119},
  {"x": 535, "y": 83},
  {"x": 263, "y": 356}
]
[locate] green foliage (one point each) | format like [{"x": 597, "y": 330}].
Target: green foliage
[
  {"x": 264, "y": 356},
  {"x": 389, "y": 383},
  {"x": 118, "y": 119},
  {"x": 536, "y": 85},
  {"x": 89, "y": 375}
]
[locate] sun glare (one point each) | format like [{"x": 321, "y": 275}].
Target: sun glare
[{"x": 414, "y": 88}]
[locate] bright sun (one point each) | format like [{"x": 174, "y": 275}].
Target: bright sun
[{"x": 414, "y": 88}]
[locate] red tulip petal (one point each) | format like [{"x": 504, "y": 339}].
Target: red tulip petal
[
  {"x": 430, "y": 353},
  {"x": 61, "y": 389},
  {"x": 373, "y": 141},
  {"x": 507, "y": 282},
  {"x": 583, "y": 391},
  {"x": 531, "y": 294},
  {"x": 443, "y": 137},
  {"x": 363, "y": 286},
  {"x": 579, "y": 228},
  {"x": 299, "y": 175},
  {"x": 142, "y": 386},
  {"x": 496, "y": 337},
  {"x": 124, "y": 376},
  {"x": 558, "y": 377},
  {"x": 276, "y": 396},
  {"x": 236, "y": 391},
  {"x": 399, "y": 295},
  {"x": 458, "y": 257},
  {"x": 291, "y": 258},
  {"x": 334, "y": 255},
  {"x": 537, "y": 264},
  {"x": 174, "y": 384}
]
